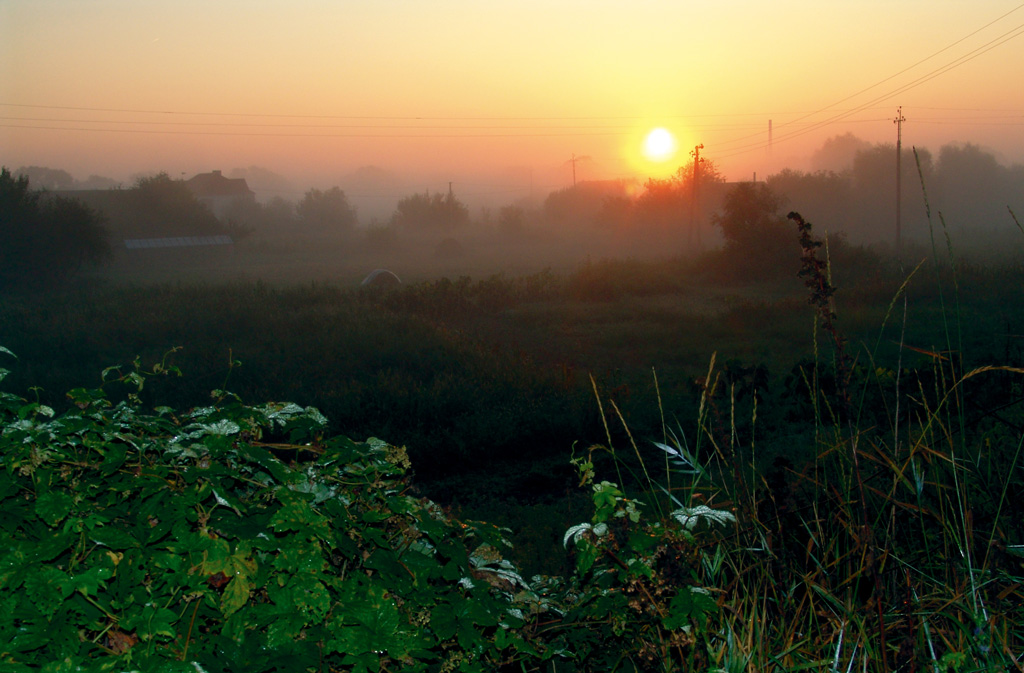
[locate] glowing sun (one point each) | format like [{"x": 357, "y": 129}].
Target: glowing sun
[{"x": 660, "y": 145}]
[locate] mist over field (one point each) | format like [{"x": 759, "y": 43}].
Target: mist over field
[{"x": 376, "y": 218}]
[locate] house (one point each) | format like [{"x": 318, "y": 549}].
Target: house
[{"x": 219, "y": 192}]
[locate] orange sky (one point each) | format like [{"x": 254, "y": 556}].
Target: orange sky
[{"x": 473, "y": 90}]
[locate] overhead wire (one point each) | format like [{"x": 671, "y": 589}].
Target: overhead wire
[
  {"x": 414, "y": 126},
  {"x": 969, "y": 56}
]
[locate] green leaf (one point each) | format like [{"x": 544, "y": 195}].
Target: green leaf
[
  {"x": 53, "y": 506},
  {"x": 47, "y": 588},
  {"x": 296, "y": 515},
  {"x": 586, "y": 555},
  {"x": 90, "y": 581},
  {"x": 113, "y": 459},
  {"x": 153, "y": 622},
  {"x": 236, "y": 594},
  {"x": 691, "y": 605}
]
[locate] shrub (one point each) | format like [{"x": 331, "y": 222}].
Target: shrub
[{"x": 233, "y": 537}]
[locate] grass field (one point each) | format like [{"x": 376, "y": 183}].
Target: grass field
[
  {"x": 474, "y": 372},
  {"x": 867, "y": 442}
]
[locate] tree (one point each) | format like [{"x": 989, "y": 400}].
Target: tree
[
  {"x": 824, "y": 197},
  {"x": 583, "y": 203},
  {"x": 750, "y": 217},
  {"x": 838, "y": 153},
  {"x": 874, "y": 193},
  {"x": 668, "y": 205},
  {"x": 51, "y": 179},
  {"x": 972, "y": 189},
  {"x": 512, "y": 220},
  {"x": 277, "y": 214},
  {"x": 664, "y": 204},
  {"x": 160, "y": 206},
  {"x": 431, "y": 212},
  {"x": 44, "y": 241},
  {"x": 327, "y": 211},
  {"x": 759, "y": 243}
]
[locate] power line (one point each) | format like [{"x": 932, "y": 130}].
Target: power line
[
  {"x": 911, "y": 67},
  {"x": 969, "y": 56},
  {"x": 475, "y": 131},
  {"x": 313, "y": 135},
  {"x": 395, "y": 118}
]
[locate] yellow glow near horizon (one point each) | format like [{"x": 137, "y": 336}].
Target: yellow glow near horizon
[
  {"x": 316, "y": 89},
  {"x": 660, "y": 145}
]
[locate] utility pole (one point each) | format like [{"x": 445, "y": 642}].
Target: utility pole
[
  {"x": 574, "y": 170},
  {"x": 899, "y": 179},
  {"x": 693, "y": 195}
]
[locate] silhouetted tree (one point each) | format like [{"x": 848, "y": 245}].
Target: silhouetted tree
[
  {"x": 326, "y": 210},
  {"x": 160, "y": 206},
  {"x": 277, "y": 214},
  {"x": 667, "y": 204},
  {"x": 430, "y": 212},
  {"x": 874, "y": 193},
  {"x": 758, "y": 242},
  {"x": 44, "y": 241},
  {"x": 838, "y": 153},
  {"x": 825, "y": 197},
  {"x": 664, "y": 204},
  {"x": 511, "y": 220},
  {"x": 50, "y": 179},
  {"x": 582, "y": 203},
  {"x": 750, "y": 216},
  {"x": 972, "y": 189}
]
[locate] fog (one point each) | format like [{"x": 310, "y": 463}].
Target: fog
[{"x": 287, "y": 228}]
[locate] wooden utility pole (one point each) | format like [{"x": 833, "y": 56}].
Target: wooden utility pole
[
  {"x": 693, "y": 195},
  {"x": 899, "y": 180}
]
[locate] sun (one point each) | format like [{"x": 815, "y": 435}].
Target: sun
[{"x": 660, "y": 145}]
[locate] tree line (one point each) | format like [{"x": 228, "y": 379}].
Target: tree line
[
  {"x": 851, "y": 193},
  {"x": 45, "y": 241}
]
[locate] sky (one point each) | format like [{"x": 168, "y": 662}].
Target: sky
[{"x": 497, "y": 96}]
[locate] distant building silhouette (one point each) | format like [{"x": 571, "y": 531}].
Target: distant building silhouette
[{"x": 219, "y": 192}]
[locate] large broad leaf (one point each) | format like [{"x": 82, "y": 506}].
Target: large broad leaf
[
  {"x": 90, "y": 581},
  {"x": 296, "y": 515},
  {"x": 369, "y": 623},
  {"x": 113, "y": 459},
  {"x": 692, "y": 605},
  {"x": 235, "y": 595},
  {"x": 53, "y": 506},
  {"x": 151, "y": 622},
  {"x": 463, "y": 618},
  {"x": 47, "y": 588}
]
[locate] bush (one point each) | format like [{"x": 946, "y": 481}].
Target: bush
[
  {"x": 233, "y": 537},
  {"x": 45, "y": 241}
]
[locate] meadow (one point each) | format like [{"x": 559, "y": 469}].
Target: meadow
[{"x": 867, "y": 441}]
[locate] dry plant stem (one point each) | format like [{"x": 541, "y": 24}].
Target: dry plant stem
[
  {"x": 815, "y": 273},
  {"x": 1015, "y": 220},
  {"x": 664, "y": 430},
  {"x": 188, "y": 636},
  {"x": 607, "y": 432}
]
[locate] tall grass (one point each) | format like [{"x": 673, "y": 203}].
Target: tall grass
[{"x": 898, "y": 547}]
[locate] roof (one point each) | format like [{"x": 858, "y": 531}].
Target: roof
[
  {"x": 176, "y": 242},
  {"x": 215, "y": 184}
]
